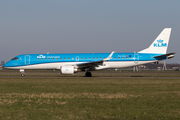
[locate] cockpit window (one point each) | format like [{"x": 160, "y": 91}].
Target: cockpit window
[{"x": 15, "y": 58}]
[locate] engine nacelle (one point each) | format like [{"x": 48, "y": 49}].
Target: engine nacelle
[{"x": 68, "y": 70}]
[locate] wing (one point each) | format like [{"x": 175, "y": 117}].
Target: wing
[{"x": 94, "y": 64}]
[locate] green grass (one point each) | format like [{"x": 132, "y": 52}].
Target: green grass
[{"x": 90, "y": 98}]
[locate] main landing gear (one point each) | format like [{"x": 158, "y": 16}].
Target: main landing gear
[
  {"x": 88, "y": 74},
  {"x": 22, "y": 73}
]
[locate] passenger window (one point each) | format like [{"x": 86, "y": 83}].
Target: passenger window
[
  {"x": 41, "y": 58},
  {"x": 64, "y": 58},
  {"x": 53, "y": 58},
  {"x": 49, "y": 58},
  {"x": 101, "y": 58},
  {"x": 93, "y": 57},
  {"x": 118, "y": 57},
  {"x": 81, "y": 58},
  {"x": 114, "y": 57},
  {"x": 89, "y": 57},
  {"x": 57, "y": 58},
  {"x": 68, "y": 58},
  {"x": 37, "y": 58},
  {"x": 45, "y": 58},
  {"x": 60, "y": 58},
  {"x": 85, "y": 58},
  {"x": 72, "y": 58}
]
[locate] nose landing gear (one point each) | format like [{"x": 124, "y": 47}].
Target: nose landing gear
[{"x": 22, "y": 72}]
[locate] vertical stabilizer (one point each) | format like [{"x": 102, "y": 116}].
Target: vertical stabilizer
[{"x": 160, "y": 44}]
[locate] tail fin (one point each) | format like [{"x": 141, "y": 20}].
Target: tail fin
[{"x": 160, "y": 44}]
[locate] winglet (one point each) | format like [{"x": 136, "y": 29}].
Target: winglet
[{"x": 109, "y": 57}]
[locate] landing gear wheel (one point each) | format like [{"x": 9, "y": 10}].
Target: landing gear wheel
[
  {"x": 22, "y": 75},
  {"x": 88, "y": 74}
]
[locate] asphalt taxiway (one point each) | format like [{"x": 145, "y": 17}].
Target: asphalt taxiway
[{"x": 133, "y": 77}]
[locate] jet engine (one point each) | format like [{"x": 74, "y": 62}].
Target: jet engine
[{"x": 68, "y": 70}]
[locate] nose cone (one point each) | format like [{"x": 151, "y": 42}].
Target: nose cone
[{"x": 8, "y": 64}]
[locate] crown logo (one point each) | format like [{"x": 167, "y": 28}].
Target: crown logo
[
  {"x": 41, "y": 56},
  {"x": 160, "y": 41}
]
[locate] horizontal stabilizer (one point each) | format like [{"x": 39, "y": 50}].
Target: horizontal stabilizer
[{"x": 169, "y": 55}]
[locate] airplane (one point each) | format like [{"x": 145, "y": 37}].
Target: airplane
[{"x": 75, "y": 62}]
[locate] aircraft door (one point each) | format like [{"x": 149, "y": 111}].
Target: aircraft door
[
  {"x": 136, "y": 58},
  {"x": 27, "y": 59}
]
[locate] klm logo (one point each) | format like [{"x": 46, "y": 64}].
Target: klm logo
[
  {"x": 160, "y": 43},
  {"x": 41, "y": 56}
]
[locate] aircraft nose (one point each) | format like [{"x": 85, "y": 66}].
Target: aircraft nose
[{"x": 6, "y": 65}]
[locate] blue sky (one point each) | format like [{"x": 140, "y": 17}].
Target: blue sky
[{"x": 70, "y": 26}]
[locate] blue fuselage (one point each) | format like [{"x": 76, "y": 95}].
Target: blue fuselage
[{"x": 76, "y": 58}]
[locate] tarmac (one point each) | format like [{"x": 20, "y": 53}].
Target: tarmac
[{"x": 133, "y": 77}]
